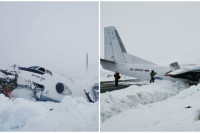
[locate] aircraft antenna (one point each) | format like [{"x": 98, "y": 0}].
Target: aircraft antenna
[{"x": 86, "y": 61}]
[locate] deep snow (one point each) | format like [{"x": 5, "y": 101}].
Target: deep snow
[
  {"x": 166, "y": 115},
  {"x": 113, "y": 103},
  {"x": 72, "y": 114}
]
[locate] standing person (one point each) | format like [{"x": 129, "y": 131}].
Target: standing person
[
  {"x": 117, "y": 77},
  {"x": 152, "y": 74}
]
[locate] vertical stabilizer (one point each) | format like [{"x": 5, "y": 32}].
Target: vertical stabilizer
[
  {"x": 115, "y": 50},
  {"x": 114, "y": 47}
]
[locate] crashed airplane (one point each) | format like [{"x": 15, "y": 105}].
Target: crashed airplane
[
  {"x": 117, "y": 59},
  {"x": 44, "y": 85}
]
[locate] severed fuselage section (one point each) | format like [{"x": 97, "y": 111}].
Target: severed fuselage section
[{"x": 41, "y": 83}]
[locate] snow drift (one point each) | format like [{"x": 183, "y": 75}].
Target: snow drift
[
  {"x": 172, "y": 114},
  {"x": 113, "y": 103},
  {"x": 72, "y": 114}
]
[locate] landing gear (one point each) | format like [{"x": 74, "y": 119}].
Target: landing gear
[{"x": 8, "y": 82}]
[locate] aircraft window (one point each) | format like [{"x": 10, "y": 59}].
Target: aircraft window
[
  {"x": 34, "y": 67},
  {"x": 49, "y": 72},
  {"x": 41, "y": 69},
  {"x": 60, "y": 87}
]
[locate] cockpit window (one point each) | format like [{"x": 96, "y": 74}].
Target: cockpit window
[
  {"x": 49, "y": 72},
  {"x": 34, "y": 67},
  {"x": 41, "y": 69}
]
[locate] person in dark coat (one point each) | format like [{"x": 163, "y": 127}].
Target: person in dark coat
[
  {"x": 117, "y": 77},
  {"x": 152, "y": 74}
]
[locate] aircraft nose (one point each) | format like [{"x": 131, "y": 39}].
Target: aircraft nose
[{"x": 167, "y": 74}]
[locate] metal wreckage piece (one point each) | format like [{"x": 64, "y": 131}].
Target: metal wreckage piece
[
  {"x": 27, "y": 80},
  {"x": 8, "y": 82}
]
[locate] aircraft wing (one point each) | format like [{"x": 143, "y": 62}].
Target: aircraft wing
[{"x": 192, "y": 73}]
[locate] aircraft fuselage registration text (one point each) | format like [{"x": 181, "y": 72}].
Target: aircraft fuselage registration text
[
  {"x": 138, "y": 69},
  {"x": 41, "y": 78}
]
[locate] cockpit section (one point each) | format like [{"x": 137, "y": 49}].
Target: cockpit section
[{"x": 37, "y": 69}]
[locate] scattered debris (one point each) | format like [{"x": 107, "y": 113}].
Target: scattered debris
[
  {"x": 51, "y": 109},
  {"x": 188, "y": 107}
]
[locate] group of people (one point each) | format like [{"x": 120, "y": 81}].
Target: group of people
[{"x": 117, "y": 77}]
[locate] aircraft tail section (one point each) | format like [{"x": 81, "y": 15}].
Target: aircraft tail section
[
  {"x": 115, "y": 50},
  {"x": 108, "y": 65},
  {"x": 114, "y": 47}
]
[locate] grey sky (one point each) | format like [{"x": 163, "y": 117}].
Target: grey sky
[
  {"x": 155, "y": 30},
  {"x": 55, "y": 35}
]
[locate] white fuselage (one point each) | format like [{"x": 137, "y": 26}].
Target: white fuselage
[
  {"x": 139, "y": 71},
  {"x": 49, "y": 82}
]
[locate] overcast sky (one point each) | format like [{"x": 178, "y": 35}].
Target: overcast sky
[
  {"x": 156, "y": 31},
  {"x": 55, "y": 35}
]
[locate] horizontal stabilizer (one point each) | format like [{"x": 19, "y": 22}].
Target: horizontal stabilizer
[
  {"x": 106, "y": 61},
  {"x": 108, "y": 65}
]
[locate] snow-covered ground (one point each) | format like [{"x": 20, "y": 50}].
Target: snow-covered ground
[
  {"x": 72, "y": 114},
  {"x": 113, "y": 103},
  {"x": 166, "y": 115}
]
